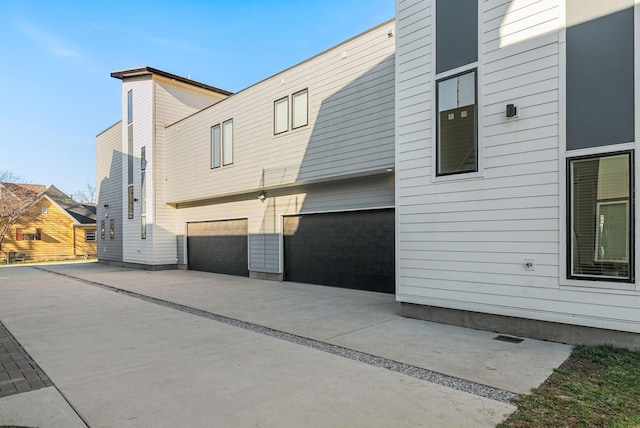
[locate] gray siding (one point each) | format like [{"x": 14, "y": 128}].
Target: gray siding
[
  {"x": 109, "y": 175},
  {"x": 600, "y": 57},
  {"x": 457, "y": 33},
  {"x": 350, "y": 131}
]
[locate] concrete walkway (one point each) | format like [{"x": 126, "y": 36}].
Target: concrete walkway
[{"x": 242, "y": 352}]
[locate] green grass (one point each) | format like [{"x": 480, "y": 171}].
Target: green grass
[{"x": 594, "y": 387}]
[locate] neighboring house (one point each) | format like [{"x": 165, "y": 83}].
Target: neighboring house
[
  {"x": 63, "y": 228},
  {"x": 478, "y": 161}
]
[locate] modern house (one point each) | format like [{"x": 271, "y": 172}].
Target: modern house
[
  {"x": 476, "y": 158},
  {"x": 60, "y": 229},
  {"x": 291, "y": 178}
]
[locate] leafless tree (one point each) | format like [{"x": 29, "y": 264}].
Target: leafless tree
[
  {"x": 17, "y": 202},
  {"x": 87, "y": 195}
]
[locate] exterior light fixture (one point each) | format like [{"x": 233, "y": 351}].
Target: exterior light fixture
[
  {"x": 262, "y": 196},
  {"x": 512, "y": 110},
  {"x": 106, "y": 205}
]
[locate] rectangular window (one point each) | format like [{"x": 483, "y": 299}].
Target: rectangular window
[
  {"x": 130, "y": 155},
  {"x": 215, "y": 146},
  {"x": 44, "y": 210},
  {"x": 129, "y": 106},
  {"x": 90, "y": 235},
  {"x": 102, "y": 229},
  {"x": 457, "y": 150},
  {"x": 112, "y": 229},
  {"x": 600, "y": 217},
  {"x": 227, "y": 142},
  {"x": 143, "y": 158},
  {"x": 281, "y": 115},
  {"x": 23, "y": 235},
  {"x": 300, "y": 110},
  {"x": 130, "y": 201},
  {"x": 143, "y": 227}
]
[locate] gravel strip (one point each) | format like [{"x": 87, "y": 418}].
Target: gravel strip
[{"x": 459, "y": 384}]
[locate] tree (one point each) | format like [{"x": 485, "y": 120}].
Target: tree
[
  {"x": 17, "y": 202},
  {"x": 86, "y": 196}
]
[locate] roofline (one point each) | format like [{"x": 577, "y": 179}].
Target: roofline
[
  {"x": 65, "y": 212},
  {"x": 112, "y": 126},
  {"x": 141, "y": 71},
  {"x": 387, "y": 22}
]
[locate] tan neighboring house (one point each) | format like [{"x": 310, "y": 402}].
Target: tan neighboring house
[{"x": 63, "y": 229}]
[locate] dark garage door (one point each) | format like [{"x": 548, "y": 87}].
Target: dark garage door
[
  {"x": 350, "y": 249},
  {"x": 218, "y": 246}
]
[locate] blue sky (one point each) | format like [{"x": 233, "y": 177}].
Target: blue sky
[{"x": 57, "y": 94}]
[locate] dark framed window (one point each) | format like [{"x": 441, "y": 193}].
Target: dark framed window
[
  {"x": 215, "y": 146},
  {"x": 112, "y": 229},
  {"x": 281, "y": 115},
  {"x": 600, "y": 217},
  {"x": 102, "y": 229},
  {"x": 143, "y": 158},
  {"x": 457, "y": 127},
  {"x": 130, "y": 201},
  {"x": 130, "y": 106},
  {"x": 227, "y": 142},
  {"x": 300, "y": 109}
]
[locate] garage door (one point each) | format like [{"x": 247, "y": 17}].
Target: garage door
[
  {"x": 218, "y": 246},
  {"x": 350, "y": 249}
]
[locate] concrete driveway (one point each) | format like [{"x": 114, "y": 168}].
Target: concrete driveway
[{"x": 182, "y": 348}]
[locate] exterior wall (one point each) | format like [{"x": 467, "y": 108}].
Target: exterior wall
[
  {"x": 265, "y": 218},
  {"x": 135, "y": 249},
  {"x": 172, "y": 102},
  {"x": 350, "y": 130},
  {"x": 462, "y": 240},
  {"x": 110, "y": 161},
  {"x": 57, "y": 236},
  {"x": 80, "y": 245}
]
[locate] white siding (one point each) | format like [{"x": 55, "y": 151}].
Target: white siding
[
  {"x": 265, "y": 218},
  {"x": 462, "y": 241},
  {"x": 135, "y": 249},
  {"x": 173, "y": 101},
  {"x": 350, "y": 131}
]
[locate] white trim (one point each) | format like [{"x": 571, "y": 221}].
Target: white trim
[
  {"x": 65, "y": 212},
  {"x": 636, "y": 172}
]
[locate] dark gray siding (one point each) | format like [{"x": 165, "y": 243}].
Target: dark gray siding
[
  {"x": 600, "y": 86},
  {"x": 456, "y": 33}
]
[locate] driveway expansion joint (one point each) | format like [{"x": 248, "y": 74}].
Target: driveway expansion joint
[{"x": 452, "y": 382}]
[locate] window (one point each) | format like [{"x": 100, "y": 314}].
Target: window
[
  {"x": 281, "y": 115},
  {"x": 600, "y": 217},
  {"x": 130, "y": 201},
  {"x": 300, "y": 116},
  {"x": 215, "y": 146},
  {"x": 44, "y": 210},
  {"x": 143, "y": 158},
  {"x": 26, "y": 235},
  {"x": 112, "y": 229},
  {"x": 102, "y": 229},
  {"x": 129, "y": 106},
  {"x": 227, "y": 142},
  {"x": 143, "y": 205},
  {"x": 90, "y": 235},
  {"x": 457, "y": 125},
  {"x": 130, "y": 155}
]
